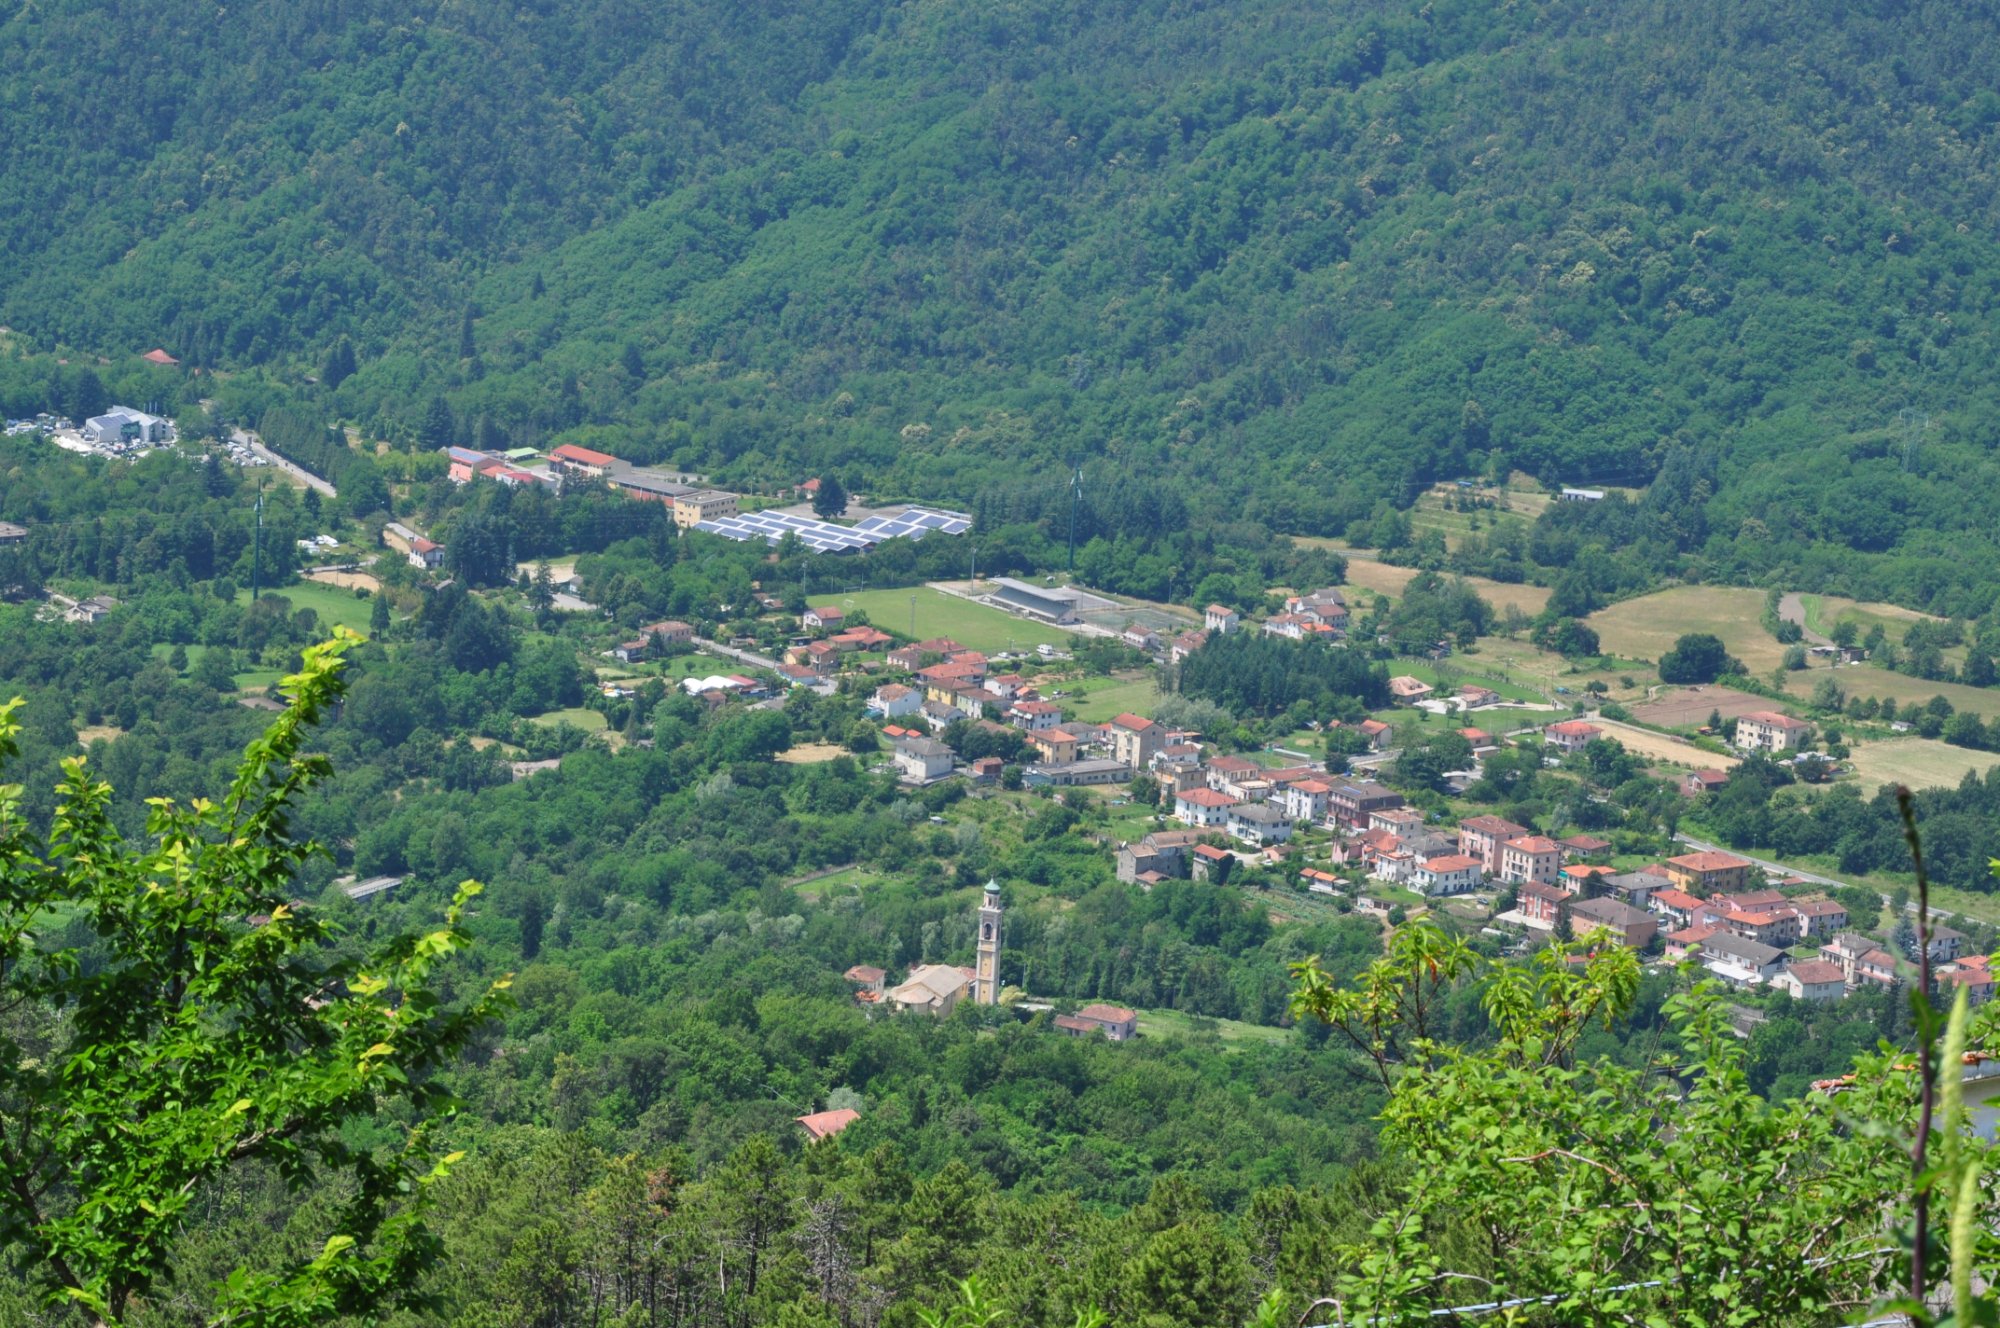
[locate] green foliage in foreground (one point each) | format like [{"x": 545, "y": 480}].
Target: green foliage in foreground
[
  {"x": 172, "y": 1019},
  {"x": 1662, "y": 1194}
]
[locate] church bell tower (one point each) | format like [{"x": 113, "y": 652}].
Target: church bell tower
[{"x": 986, "y": 987}]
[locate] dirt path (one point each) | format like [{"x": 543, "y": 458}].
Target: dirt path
[{"x": 1792, "y": 609}]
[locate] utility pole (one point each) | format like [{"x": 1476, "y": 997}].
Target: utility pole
[
  {"x": 1914, "y": 423},
  {"x": 1075, "y": 498},
  {"x": 257, "y": 546},
  {"x": 913, "y": 617}
]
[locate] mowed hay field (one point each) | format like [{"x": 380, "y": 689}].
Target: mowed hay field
[
  {"x": 333, "y": 604},
  {"x": 1690, "y": 707},
  {"x": 975, "y": 626},
  {"x": 1918, "y": 762},
  {"x": 1664, "y": 748},
  {"x": 1824, "y": 611},
  {"x": 1382, "y": 579},
  {"x": 1868, "y": 680},
  {"x": 1647, "y": 627}
]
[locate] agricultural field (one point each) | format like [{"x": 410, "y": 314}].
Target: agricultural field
[
  {"x": 332, "y": 604},
  {"x": 1186, "y": 1027},
  {"x": 976, "y": 626},
  {"x": 1647, "y": 627},
  {"x": 1690, "y": 707},
  {"x": 1380, "y": 578},
  {"x": 1097, "y": 699},
  {"x": 841, "y": 881},
  {"x": 1917, "y": 762},
  {"x": 348, "y": 581},
  {"x": 1517, "y": 662},
  {"x": 1868, "y": 680},
  {"x": 1824, "y": 611},
  {"x": 1663, "y": 748},
  {"x": 577, "y": 717},
  {"x": 812, "y": 753}
]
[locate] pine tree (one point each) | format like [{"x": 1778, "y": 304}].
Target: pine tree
[
  {"x": 831, "y": 500},
  {"x": 467, "y": 346},
  {"x": 339, "y": 365},
  {"x": 437, "y": 428}
]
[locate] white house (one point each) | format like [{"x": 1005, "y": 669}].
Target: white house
[
  {"x": 1770, "y": 731},
  {"x": 1202, "y": 807},
  {"x": 1451, "y": 874},
  {"x": 1259, "y": 823},
  {"x": 893, "y": 700},
  {"x": 1812, "y": 980},
  {"x": 824, "y": 618},
  {"x": 1034, "y": 716},
  {"x": 1735, "y": 959},
  {"x": 1306, "y": 800},
  {"x": 921, "y": 760},
  {"x": 1220, "y": 618}
]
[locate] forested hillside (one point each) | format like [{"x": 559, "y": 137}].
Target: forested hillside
[{"x": 1309, "y": 257}]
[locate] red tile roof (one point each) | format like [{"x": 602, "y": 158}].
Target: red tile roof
[
  {"x": 583, "y": 456},
  {"x": 824, "y": 1124},
  {"x": 1707, "y": 860}
]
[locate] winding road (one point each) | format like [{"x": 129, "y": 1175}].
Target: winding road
[{"x": 1792, "y": 609}]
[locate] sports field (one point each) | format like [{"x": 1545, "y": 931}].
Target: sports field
[{"x": 973, "y": 625}]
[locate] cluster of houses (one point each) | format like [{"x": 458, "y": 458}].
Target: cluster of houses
[{"x": 691, "y": 503}]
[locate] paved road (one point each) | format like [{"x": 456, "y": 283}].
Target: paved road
[
  {"x": 1792, "y": 608},
  {"x": 731, "y": 652},
  {"x": 250, "y": 440},
  {"x": 1703, "y": 846}
]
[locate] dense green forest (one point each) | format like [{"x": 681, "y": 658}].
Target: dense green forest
[{"x": 1291, "y": 260}]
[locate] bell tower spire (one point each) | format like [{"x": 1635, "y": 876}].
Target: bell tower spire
[{"x": 986, "y": 986}]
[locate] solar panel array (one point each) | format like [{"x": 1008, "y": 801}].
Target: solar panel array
[
  {"x": 916, "y": 522},
  {"x": 825, "y": 537}
]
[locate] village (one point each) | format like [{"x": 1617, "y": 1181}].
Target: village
[
  {"x": 1318, "y": 810},
  {"x": 1345, "y": 835}
]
